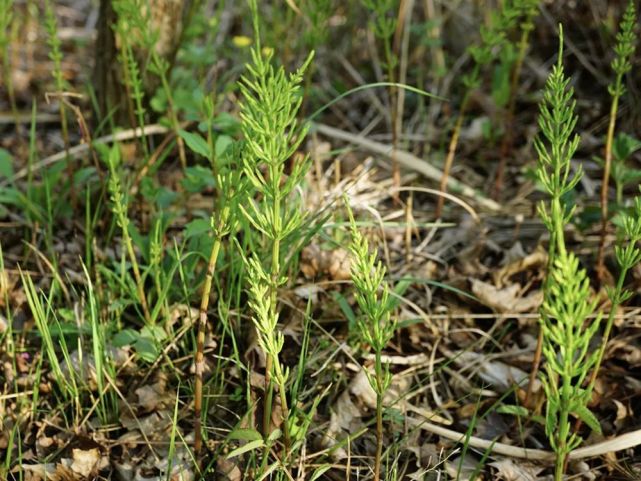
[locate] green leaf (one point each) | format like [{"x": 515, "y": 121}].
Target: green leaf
[
  {"x": 196, "y": 143},
  {"x": 146, "y": 349},
  {"x": 513, "y": 410},
  {"x": 319, "y": 471},
  {"x": 126, "y": 337},
  {"x": 588, "y": 418},
  {"x": 268, "y": 471},
  {"x": 274, "y": 435},
  {"x": 6, "y": 164},
  {"x": 156, "y": 333},
  {"x": 222, "y": 144},
  {"x": 197, "y": 227},
  {"x": 250, "y": 446},
  {"x": 245, "y": 435},
  {"x": 198, "y": 179}
]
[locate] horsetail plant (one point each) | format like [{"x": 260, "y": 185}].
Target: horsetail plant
[
  {"x": 375, "y": 326},
  {"x": 493, "y": 36},
  {"x": 621, "y": 65},
  {"x": 272, "y": 135},
  {"x": 222, "y": 222},
  {"x": 384, "y": 25},
  {"x": 119, "y": 208},
  {"x": 55, "y": 54},
  {"x": 128, "y": 20},
  {"x": 628, "y": 254},
  {"x": 527, "y": 11},
  {"x": 566, "y": 325}
]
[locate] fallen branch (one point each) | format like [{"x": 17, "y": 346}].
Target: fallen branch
[
  {"x": 77, "y": 150},
  {"x": 618, "y": 443},
  {"x": 410, "y": 161}
]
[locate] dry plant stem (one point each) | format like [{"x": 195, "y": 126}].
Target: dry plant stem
[
  {"x": 451, "y": 151},
  {"x": 600, "y": 265},
  {"x": 534, "y": 371},
  {"x": 200, "y": 345}
]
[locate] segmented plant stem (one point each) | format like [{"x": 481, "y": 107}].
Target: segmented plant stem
[{"x": 200, "y": 345}]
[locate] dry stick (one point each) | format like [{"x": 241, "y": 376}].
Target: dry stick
[
  {"x": 451, "y": 151},
  {"x": 618, "y": 443},
  {"x": 77, "y": 150},
  {"x": 410, "y": 161}
]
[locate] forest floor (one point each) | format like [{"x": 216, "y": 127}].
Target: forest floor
[{"x": 468, "y": 284}]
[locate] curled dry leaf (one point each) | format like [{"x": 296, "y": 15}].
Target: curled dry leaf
[
  {"x": 333, "y": 264},
  {"x": 496, "y": 373},
  {"x": 85, "y": 461},
  {"x": 534, "y": 261},
  {"x": 507, "y": 299}
]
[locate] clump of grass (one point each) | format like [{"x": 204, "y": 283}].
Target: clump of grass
[
  {"x": 376, "y": 325},
  {"x": 621, "y": 65},
  {"x": 272, "y": 135},
  {"x": 566, "y": 325}
]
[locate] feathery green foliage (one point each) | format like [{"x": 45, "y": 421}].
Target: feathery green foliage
[
  {"x": 119, "y": 208},
  {"x": 376, "y": 325},
  {"x": 567, "y": 327},
  {"x": 271, "y": 100}
]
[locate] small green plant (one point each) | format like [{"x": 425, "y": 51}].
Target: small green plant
[
  {"x": 526, "y": 11},
  {"x": 493, "y": 36},
  {"x": 376, "y": 325},
  {"x": 222, "y": 223},
  {"x": 621, "y": 65},
  {"x": 127, "y": 29},
  {"x": 119, "y": 208},
  {"x": 624, "y": 146},
  {"x": 272, "y": 135},
  {"x": 566, "y": 325},
  {"x": 55, "y": 54},
  {"x": 628, "y": 254}
]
